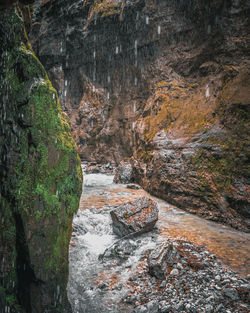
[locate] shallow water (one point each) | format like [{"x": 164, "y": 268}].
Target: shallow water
[{"x": 93, "y": 234}]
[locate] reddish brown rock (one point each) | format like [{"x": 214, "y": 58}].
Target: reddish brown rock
[
  {"x": 138, "y": 216},
  {"x": 163, "y": 82}
]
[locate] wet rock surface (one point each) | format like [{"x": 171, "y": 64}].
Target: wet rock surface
[
  {"x": 194, "y": 279},
  {"x": 94, "y": 168},
  {"x": 40, "y": 179},
  {"x": 196, "y": 282},
  {"x": 163, "y": 82},
  {"x": 160, "y": 259},
  {"x": 136, "y": 217},
  {"x": 124, "y": 173}
]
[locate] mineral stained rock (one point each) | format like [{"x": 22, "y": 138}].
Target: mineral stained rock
[
  {"x": 40, "y": 179},
  {"x": 138, "y": 216}
]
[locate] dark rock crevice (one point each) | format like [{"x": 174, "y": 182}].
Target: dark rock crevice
[{"x": 25, "y": 273}]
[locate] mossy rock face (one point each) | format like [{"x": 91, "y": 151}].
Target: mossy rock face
[{"x": 40, "y": 178}]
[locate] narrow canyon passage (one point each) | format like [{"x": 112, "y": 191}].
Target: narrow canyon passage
[
  {"x": 157, "y": 90},
  {"x": 121, "y": 282}
]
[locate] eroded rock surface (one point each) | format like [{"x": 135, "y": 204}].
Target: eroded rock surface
[
  {"x": 138, "y": 216},
  {"x": 165, "y": 83}
]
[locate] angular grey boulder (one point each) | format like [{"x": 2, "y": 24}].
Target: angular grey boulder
[
  {"x": 138, "y": 216},
  {"x": 159, "y": 260}
]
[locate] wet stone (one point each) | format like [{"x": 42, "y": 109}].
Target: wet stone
[
  {"x": 141, "y": 309},
  {"x": 219, "y": 308},
  {"x": 163, "y": 284},
  {"x": 231, "y": 293},
  {"x": 174, "y": 272},
  {"x": 159, "y": 259},
  {"x": 208, "y": 308},
  {"x": 124, "y": 173},
  {"x": 179, "y": 306},
  {"x": 133, "y": 186},
  {"x": 153, "y": 306},
  {"x": 135, "y": 217},
  {"x": 166, "y": 309}
]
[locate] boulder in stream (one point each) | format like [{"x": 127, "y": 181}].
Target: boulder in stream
[{"x": 138, "y": 216}]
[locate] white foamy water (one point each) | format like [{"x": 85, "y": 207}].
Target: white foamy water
[
  {"x": 99, "y": 286},
  {"x": 92, "y": 235},
  {"x": 96, "y": 180}
]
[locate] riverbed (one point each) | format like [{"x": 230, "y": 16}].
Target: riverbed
[{"x": 107, "y": 286}]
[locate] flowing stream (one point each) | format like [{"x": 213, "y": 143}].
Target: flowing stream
[{"x": 99, "y": 286}]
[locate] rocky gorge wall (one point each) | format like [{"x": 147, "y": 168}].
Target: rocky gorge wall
[
  {"x": 162, "y": 84},
  {"x": 40, "y": 178}
]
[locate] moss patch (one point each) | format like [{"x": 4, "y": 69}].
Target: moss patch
[
  {"x": 175, "y": 106},
  {"x": 43, "y": 174},
  {"x": 105, "y": 7}
]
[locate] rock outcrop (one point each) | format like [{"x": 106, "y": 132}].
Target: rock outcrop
[
  {"x": 40, "y": 179},
  {"x": 164, "y": 83},
  {"x": 124, "y": 173},
  {"x": 134, "y": 217}
]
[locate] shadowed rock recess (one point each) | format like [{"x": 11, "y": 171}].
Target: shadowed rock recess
[
  {"x": 40, "y": 178},
  {"x": 161, "y": 84}
]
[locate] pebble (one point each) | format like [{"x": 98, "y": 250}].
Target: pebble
[
  {"x": 217, "y": 277},
  {"x": 208, "y": 308},
  {"x": 153, "y": 306},
  {"x": 174, "y": 272},
  {"x": 103, "y": 286},
  {"x": 179, "y": 266},
  {"x": 166, "y": 309},
  {"x": 188, "y": 306},
  {"x": 231, "y": 293},
  {"x": 141, "y": 309},
  {"x": 219, "y": 308},
  {"x": 179, "y": 306}
]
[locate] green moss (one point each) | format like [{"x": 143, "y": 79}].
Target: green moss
[
  {"x": 176, "y": 106},
  {"x": 230, "y": 163},
  {"x": 45, "y": 181},
  {"x": 10, "y": 299}
]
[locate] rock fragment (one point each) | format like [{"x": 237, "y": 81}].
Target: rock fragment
[
  {"x": 159, "y": 260},
  {"x": 231, "y": 293}
]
